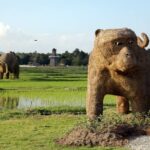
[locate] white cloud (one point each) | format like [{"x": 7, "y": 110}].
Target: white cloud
[
  {"x": 3, "y": 29},
  {"x": 17, "y": 40}
]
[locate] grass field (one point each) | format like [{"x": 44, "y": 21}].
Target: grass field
[{"x": 30, "y": 127}]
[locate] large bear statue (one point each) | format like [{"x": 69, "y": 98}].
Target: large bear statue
[
  {"x": 119, "y": 65},
  {"x": 9, "y": 63}
]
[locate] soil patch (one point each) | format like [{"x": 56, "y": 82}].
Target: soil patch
[{"x": 117, "y": 135}]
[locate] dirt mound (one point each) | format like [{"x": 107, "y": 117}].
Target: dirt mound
[{"x": 106, "y": 136}]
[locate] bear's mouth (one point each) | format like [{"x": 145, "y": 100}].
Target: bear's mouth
[{"x": 128, "y": 71}]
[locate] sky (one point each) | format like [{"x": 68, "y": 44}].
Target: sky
[{"x": 40, "y": 25}]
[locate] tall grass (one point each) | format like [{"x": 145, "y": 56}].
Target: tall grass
[{"x": 49, "y": 86}]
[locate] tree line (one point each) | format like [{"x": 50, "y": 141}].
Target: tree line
[{"x": 75, "y": 58}]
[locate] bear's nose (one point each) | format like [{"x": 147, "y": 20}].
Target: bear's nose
[{"x": 128, "y": 55}]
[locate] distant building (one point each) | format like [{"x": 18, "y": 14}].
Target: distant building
[{"x": 54, "y": 58}]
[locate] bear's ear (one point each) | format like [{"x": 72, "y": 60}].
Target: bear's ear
[{"x": 97, "y": 31}]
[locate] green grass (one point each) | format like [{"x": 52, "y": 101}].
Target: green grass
[
  {"x": 34, "y": 132},
  {"x": 39, "y": 132},
  {"x": 64, "y": 90},
  {"x": 53, "y": 86}
]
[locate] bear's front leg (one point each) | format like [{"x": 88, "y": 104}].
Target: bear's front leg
[
  {"x": 95, "y": 95},
  {"x": 122, "y": 105}
]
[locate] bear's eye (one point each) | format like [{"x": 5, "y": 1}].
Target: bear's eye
[
  {"x": 130, "y": 42},
  {"x": 118, "y": 43}
]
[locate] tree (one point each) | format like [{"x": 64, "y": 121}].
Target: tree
[
  {"x": 76, "y": 58},
  {"x": 66, "y": 58},
  {"x": 23, "y": 58},
  {"x": 79, "y": 58}
]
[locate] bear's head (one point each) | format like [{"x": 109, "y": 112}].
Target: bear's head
[{"x": 120, "y": 48}]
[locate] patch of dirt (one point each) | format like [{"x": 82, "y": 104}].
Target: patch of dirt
[{"x": 107, "y": 136}]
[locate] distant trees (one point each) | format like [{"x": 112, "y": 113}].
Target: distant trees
[
  {"x": 79, "y": 58},
  {"x": 76, "y": 58},
  {"x": 66, "y": 58},
  {"x": 33, "y": 58},
  {"x": 23, "y": 58}
]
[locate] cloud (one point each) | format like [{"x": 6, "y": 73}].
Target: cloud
[
  {"x": 18, "y": 40},
  {"x": 3, "y": 29}
]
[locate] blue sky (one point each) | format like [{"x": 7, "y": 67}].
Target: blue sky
[{"x": 66, "y": 24}]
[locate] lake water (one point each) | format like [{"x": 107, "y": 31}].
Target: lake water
[{"x": 26, "y": 103}]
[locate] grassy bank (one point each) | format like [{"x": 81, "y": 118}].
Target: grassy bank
[
  {"x": 64, "y": 90},
  {"x": 21, "y": 131}
]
